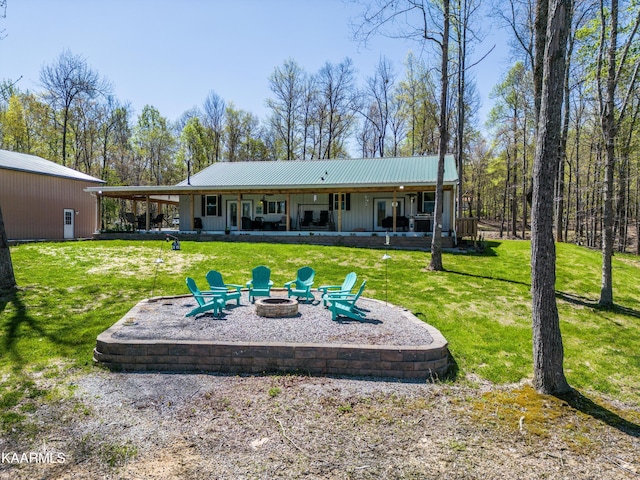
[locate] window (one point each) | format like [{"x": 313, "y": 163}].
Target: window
[
  {"x": 428, "y": 202},
  {"x": 211, "y": 206},
  {"x": 334, "y": 198},
  {"x": 277, "y": 207}
]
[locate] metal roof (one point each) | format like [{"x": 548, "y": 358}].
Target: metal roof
[
  {"x": 324, "y": 173},
  {"x": 33, "y": 164}
]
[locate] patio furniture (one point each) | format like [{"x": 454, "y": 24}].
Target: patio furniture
[
  {"x": 257, "y": 224},
  {"x": 307, "y": 220},
  {"x": 206, "y": 302},
  {"x": 345, "y": 288},
  {"x": 217, "y": 286},
  {"x": 157, "y": 221},
  {"x": 345, "y": 305},
  {"x": 131, "y": 220},
  {"x": 324, "y": 218},
  {"x": 301, "y": 286},
  {"x": 260, "y": 283}
]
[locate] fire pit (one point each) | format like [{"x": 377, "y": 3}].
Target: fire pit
[{"x": 276, "y": 307}]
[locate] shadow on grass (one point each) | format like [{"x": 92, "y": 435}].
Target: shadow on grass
[
  {"x": 14, "y": 326},
  {"x": 480, "y": 249},
  {"x": 586, "y": 302},
  {"x": 587, "y": 406},
  {"x": 484, "y": 277}
]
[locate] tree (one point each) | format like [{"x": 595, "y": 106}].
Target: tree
[
  {"x": 287, "y": 84},
  {"x": 153, "y": 145},
  {"x": 7, "y": 279},
  {"x": 548, "y": 351},
  {"x": 609, "y": 124},
  {"x": 67, "y": 81},
  {"x": 214, "y": 110},
  {"x": 424, "y": 21}
]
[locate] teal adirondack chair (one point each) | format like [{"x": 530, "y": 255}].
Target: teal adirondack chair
[
  {"x": 260, "y": 283},
  {"x": 301, "y": 286},
  {"x": 228, "y": 290},
  {"x": 345, "y": 305},
  {"x": 345, "y": 288},
  {"x": 206, "y": 302}
]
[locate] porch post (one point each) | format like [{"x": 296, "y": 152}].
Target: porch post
[
  {"x": 191, "y": 212},
  {"x": 99, "y": 213},
  {"x": 146, "y": 201},
  {"x": 239, "y": 212},
  {"x": 393, "y": 209},
  {"x": 340, "y": 212},
  {"x": 287, "y": 210}
]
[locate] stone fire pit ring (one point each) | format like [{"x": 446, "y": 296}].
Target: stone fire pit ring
[{"x": 276, "y": 307}]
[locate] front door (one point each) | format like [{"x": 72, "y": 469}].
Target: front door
[
  {"x": 232, "y": 212},
  {"x": 69, "y": 220},
  {"x": 383, "y": 208}
]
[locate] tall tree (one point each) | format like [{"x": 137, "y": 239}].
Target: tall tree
[
  {"x": 67, "y": 81},
  {"x": 424, "y": 21},
  {"x": 214, "y": 109},
  {"x": 287, "y": 85},
  {"x": 609, "y": 75},
  {"x": 7, "y": 278},
  {"x": 153, "y": 144},
  {"x": 548, "y": 354}
]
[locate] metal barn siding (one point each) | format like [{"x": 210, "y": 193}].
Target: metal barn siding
[{"x": 33, "y": 205}]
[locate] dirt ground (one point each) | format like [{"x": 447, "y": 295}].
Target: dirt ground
[{"x": 160, "y": 426}]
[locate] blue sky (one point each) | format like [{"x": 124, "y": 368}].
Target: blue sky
[{"x": 171, "y": 54}]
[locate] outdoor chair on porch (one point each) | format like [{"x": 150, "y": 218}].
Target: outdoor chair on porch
[
  {"x": 157, "y": 221},
  {"x": 217, "y": 286},
  {"x": 131, "y": 220},
  {"x": 301, "y": 286},
  {"x": 206, "y": 302},
  {"x": 260, "y": 283},
  {"x": 345, "y": 305},
  {"x": 344, "y": 289},
  {"x": 307, "y": 220}
]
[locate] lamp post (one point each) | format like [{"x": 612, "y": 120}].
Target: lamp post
[{"x": 386, "y": 257}]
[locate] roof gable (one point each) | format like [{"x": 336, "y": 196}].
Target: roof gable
[
  {"x": 33, "y": 164},
  {"x": 328, "y": 173}
]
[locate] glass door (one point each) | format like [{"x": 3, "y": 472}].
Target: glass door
[
  {"x": 383, "y": 213},
  {"x": 232, "y": 212}
]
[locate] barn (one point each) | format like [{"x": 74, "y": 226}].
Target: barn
[{"x": 42, "y": 200}]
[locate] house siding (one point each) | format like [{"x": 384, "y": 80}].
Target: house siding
[{"x": 33, "y": 205}]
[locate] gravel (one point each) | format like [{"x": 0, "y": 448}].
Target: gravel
[{"x": 164, "y": 319}]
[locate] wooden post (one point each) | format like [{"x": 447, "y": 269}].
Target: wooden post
[
  {"x": 340, "y": 212},
  {"x": 393, "y": 207},
  {"x": 287, "y": 210},
  {"x": 239, "y": 212},
  {"x": 191, "y": 213},
  {"x": 147, "y": 219}
]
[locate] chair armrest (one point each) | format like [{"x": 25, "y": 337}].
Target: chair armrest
[
  {"x": 233, "y": 285},
  {"x": 324, "y": 288},
  {"x": 214, "y": 293},
  {"x": 249, "y": 283},
  {"x": 288, "y": 284}
]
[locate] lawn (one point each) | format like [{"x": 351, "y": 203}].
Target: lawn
[{"x": 70, "y": 292}]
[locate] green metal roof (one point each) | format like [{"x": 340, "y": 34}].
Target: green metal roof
[
  {"x": 33, "y": 164},
  {"x": 363, "y": 172}
]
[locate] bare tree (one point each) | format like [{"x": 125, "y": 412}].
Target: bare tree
[
  {"x": 214, "y": 109},
  {"x": 609, "y": 124},
  {"x": 67, "y": 81},
  {"x": 424, "y": 21},
  {"x": 287, "y": 84},
  {"x": 548, "y": 351}
]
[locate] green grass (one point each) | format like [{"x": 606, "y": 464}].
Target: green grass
[{"x": 70, "y": 292}]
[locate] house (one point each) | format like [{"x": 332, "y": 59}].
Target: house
[
  {"x": 342, "y": 196},
  {"x": 44, "y": 200}
]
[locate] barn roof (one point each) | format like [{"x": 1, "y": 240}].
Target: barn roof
[{"x": 33, "y": 164}]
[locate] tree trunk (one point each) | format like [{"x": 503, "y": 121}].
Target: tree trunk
[
  {"x": 7, "y": 279},
  {"x": 436, "y": 240},
  {"x": 548, "y": 354}
]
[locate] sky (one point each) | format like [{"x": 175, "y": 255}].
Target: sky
[{"x": 171, "y": 54}]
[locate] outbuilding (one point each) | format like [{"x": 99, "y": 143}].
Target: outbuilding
[{"x": 43, "y": 200}]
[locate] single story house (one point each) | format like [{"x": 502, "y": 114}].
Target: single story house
[
  {"x": 43, "y": 200},
  {"x": 341, "y": 196}
]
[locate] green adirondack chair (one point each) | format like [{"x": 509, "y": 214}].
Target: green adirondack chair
[
  {"x": 217, "y": 286},
  {"x": 260, "y": 283},
  {"x": 345, "y": 305},
  {"x": 301, "y": 286},
  {"x": 345, "y": 288},
  {"x": 206, "y": 302}
]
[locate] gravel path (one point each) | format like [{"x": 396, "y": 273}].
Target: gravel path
[{"x": 165, "y": 319}]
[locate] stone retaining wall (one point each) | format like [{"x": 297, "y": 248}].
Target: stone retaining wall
[{"x": 411, "y": 362}]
